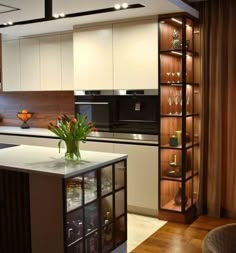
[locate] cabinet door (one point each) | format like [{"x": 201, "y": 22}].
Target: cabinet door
[
  {"x": 135, "y": 55},
  {"x": 11, "y": 65},
  {"x": 142, "y": 177},
  {"x": 29, "y": 64},
  {"x": 93, "y": 58},
  {"x": 50, "y": 62},
  {"x": 97, "y": 146},
  {"x": 67, "y": 76}
]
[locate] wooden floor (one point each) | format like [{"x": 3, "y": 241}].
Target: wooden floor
[{"x": 180, "y": 238}]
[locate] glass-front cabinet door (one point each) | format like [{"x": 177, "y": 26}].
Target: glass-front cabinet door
[
  {"x": 95, "y": 201},
  {"x": 179, "y": 116}
]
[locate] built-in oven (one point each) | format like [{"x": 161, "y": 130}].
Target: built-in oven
[
  {"x": 120, "y": 111},
  {"x": 97, "y": 105},
  {"x": 136, "y": 111}
]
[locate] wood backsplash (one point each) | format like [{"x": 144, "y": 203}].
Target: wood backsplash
[{"x": 46, "y": 106}]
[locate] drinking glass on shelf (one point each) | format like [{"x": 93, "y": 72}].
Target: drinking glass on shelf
[
  {"x": 168, "y": 77},
  {"x": 173, "y": 77},
  {"x": 181, "y": 104},
  {"x": 170, "y": 102},
  {"x": 187, "y": 103},
  {"x": 176, "y": 100},
  {"x": 178, "y": 79}
]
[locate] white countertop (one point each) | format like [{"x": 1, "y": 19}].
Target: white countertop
[{"x": 44, "y": 160}]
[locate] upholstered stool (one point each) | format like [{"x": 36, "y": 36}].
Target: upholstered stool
[{"x": 220, "y": 240}]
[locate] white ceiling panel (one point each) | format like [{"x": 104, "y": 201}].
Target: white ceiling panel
[{"x": 33, "y": 9}]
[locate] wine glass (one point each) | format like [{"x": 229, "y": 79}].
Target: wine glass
[
  {"x": 173, "y": 77},
  {"x": 178, "y": 74},
  {"x": 168, "y": 77},
  {"x": 187, "y": 102},
  {"x": 170, "y": 102},
  {"x": 176, "y": 100}
]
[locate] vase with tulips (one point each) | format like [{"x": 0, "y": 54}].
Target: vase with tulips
[{"x": 72, "y": 131}]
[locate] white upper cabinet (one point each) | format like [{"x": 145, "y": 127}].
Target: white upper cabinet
[
  {"x": 11, "y": 65},
  {"x": 67, "y": 73},
  {"x": 93, "y": 58},
  {"x": 135, "y": 52},
  {"x": 50, "y": 62},
  {"x": 30, "y": 64}
]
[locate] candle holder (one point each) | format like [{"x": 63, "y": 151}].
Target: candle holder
[{"x": 24, "y": 116}]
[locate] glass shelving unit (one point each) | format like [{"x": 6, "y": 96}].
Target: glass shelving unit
[{"x": 179, "y": 117}]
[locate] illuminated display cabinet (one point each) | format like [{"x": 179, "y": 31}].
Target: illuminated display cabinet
[{"x": 179, "y": 40}]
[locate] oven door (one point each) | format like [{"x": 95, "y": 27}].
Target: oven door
[{"x": 97, "y": 111}]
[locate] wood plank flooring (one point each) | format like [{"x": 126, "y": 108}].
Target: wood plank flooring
[{"x": 180, "y": 238}]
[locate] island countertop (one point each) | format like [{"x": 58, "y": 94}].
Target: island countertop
[{"x": 45, "y": 160}]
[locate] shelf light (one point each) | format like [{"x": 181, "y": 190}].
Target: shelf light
[
  {"x": 62, "y": 15},
  {"x": 174, "y": 52},
  {"x": 176, "y": 20},
  {"x": 10, "y": 23}
]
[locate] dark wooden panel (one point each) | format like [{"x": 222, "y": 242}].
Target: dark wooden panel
[
  {"x": 46, "y": 106},
  {"x": 14, "y": 213}
]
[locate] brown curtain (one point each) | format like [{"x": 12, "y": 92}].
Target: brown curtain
[{"x": 218, "y": 147}]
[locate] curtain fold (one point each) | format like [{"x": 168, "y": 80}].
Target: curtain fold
[{"x": 218, "y": 145}]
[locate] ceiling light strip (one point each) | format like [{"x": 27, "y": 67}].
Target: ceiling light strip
[{"x": 77, "y": 14}]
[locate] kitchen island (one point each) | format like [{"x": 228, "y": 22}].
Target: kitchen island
[{"x": 49, "y": 205}]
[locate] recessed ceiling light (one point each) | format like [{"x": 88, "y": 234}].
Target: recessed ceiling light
[
  {"x": 56, "y": 15},
  {"x": 125, "y": 5},
  {"x": 117, "y": 6},
  {"x": 62, "y": 15}
]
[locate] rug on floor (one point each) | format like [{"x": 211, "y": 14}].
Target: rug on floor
[{"x": 140, "y": 228}]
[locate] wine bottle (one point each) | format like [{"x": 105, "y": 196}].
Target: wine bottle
[{"x": 107, "y": 233}]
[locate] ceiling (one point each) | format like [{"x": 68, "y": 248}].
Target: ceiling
[{"x": 20, "y": 10}]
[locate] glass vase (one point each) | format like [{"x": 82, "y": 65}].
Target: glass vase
[{"x": 72, "y": 150}]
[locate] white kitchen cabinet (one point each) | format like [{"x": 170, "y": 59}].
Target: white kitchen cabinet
[
  {"x": 93, "y": 58},
  {"x": 142, "y": 178},
  {"x": 11, "y": 65},
  {"x": 67, "y": 72},
  {"x": 50, "y": 62},
  {"x": 97, "y": 146},
  {"x": 29, "y": 64},
  {"x": 135, "y": 55}
]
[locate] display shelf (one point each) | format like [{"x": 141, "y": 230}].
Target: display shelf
[
  {"x": 95, "y": 225},
  {"x": 188, "y": 175},
  {"x": 179, "y": 84},
  {"x": 178, "y": 52},
  {"x": 173, "y": 207},
  {"x": 187, "y": 146}
]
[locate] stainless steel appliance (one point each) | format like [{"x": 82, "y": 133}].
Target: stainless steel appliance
[
  {"x": 136, "y": 111},
  {"x": 121, "y": 111},
  {"x": 97, "y": 105}
]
